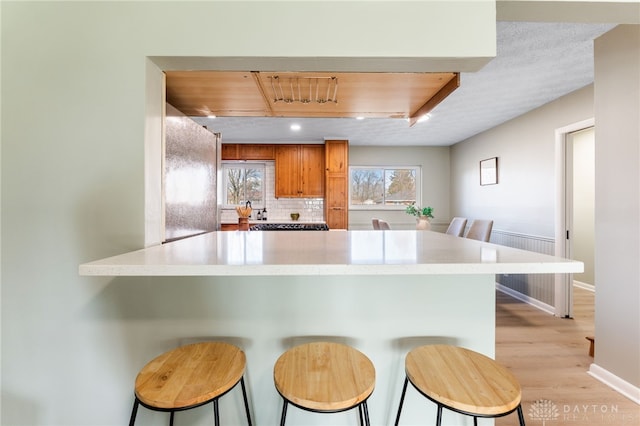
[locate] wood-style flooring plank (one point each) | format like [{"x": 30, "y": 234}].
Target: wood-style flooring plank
[{"x": 550, "y": 358}]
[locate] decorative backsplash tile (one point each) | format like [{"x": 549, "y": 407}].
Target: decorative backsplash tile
[{"x": 280, "y": 209}]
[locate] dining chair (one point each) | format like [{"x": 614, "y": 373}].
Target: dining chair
[
  {"x": 457, "y": 226},
  {"x": 376, "y": 223},
  {"x": 480, "y": 230},
  {"x": 384, "y": 225}
]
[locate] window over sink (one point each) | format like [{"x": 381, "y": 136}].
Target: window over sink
[
  {"x": 383, "y": 187},
  {"x": 243, "y": 182}
]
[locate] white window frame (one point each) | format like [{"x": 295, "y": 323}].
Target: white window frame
[
  {"x": 418, "y": 173},
  {"x": 245, "y": 164}
]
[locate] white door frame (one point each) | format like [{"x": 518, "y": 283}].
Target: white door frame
[{"x": 564, "y": 214}]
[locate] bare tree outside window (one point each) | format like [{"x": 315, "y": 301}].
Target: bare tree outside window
[
  {"x": 253, "y": 179},
  {"x": 400, "y": 186},
  {"x": 383, "y": 186},
  {"x": 367, "y": 186},
  {"x": 243, "y": 183},
  {"x": 235, "y": 186}
]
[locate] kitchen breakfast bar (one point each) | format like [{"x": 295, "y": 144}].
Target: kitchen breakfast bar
[{"x": 382, "y": 292}]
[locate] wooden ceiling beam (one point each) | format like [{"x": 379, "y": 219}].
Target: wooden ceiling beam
[
  {"x": 446, "y": 90},
  {"x": 263, "y": 92}
]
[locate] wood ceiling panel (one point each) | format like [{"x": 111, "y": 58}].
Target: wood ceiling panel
[
  {"x": 399, "y": 95},
  {"x": 200, "y": 93}
]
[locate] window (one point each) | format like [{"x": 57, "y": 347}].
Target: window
[
  {"x": 380, "y": 187},
  {"x": 243, "y": 182}
]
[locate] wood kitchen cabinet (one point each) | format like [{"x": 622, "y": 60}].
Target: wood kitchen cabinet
[
  {"x": 241, "y": 151},
  {"x": 299, "y": 171},
  {"x": 229, "y": 227},
  {"x": 336, "y": 200}
]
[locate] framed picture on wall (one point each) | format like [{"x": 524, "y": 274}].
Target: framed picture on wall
[{"x": 489, "y": 171}]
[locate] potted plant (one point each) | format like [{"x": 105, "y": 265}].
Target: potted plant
[{"x": 422, "y": 214}]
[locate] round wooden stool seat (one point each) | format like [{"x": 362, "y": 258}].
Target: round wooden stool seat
[
  {"x": 462, "y": 380},
  {"x": 324, "y": 377},
  {"x": 190, "y": 376}
]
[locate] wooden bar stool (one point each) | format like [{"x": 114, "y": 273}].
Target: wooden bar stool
[
  {"x": 325, "y": 377},
  {"x": 190, "y": 376},
  {"x": 463, "y": 381}
]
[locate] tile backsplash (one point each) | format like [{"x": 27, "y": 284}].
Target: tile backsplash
[{"x": 310, "y": 209}]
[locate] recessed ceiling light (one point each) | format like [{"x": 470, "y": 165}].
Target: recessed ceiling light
[
  {"x": 295, "y": 127},
  {"x": 359, "y": 118},
  {"x": 211, "y": 116},
  {"x": 424, "y": 118}
]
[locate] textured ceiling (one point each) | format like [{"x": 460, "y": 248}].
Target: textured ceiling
[{"x": 536, "y": 63}]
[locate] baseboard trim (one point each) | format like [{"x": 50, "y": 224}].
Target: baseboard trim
[
  {"x": 614, "y": 382},
  {"x": 584, "y": 286},
  {"x": 526, "y": 299}
]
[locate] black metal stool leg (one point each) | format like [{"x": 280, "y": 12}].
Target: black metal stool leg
[
  {"x": 475, "y": 421},
  {"x": 404, "y": 391},
  {"x": 216, "y": 412},
  {"x": 171, "y": 418},
  {"x": 134, "y": 412},
  {"x": 246, "y": 401},
  {"x": 366, "y": 413},
  {"x": 520, "y": 415},
  {"x": 284, "y": 412},
  {"x": 439, "y": 416}
]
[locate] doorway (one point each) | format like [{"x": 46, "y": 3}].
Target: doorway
[
  {"x": 581, "y": 222},
  {"x": 575, "y": 182}
]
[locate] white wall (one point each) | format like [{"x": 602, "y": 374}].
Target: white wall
[
  {"x": 617, "y": 270},
  {"x": 434, "y": 162},
  {"x": 73, "y": 173},
  {"x": 523, "y": 201}
]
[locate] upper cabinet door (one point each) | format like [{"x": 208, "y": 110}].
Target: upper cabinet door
[
  {"x": 257, "y": 152},
  {"x": 312, "y": 184},
  {"x": 299, "y": 171},
  {"x": 239, "y": 151},
  {"x": 230, "y": 151},
  {"x": 288, "y": 171},
  {"x": 337, "y": 156}
]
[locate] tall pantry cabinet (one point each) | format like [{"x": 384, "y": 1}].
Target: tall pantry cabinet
[{"x": 336, "y": 198}]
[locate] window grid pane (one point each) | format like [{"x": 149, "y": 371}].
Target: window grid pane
[
  {"x": 253, "y": 185},
  {"x": 243, "y": 183},
  {"x": 382, "y": 187},
  {"x": 400, "y": 187},
  {"x": 367, "y": 187},
  {"x": 234, "y": 185}
]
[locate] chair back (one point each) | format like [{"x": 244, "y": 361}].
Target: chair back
[
  {"x": 376, "y": 223},
  {"x": 384, "y": 225},
  {"x": 480, "y": 230},
  {"x": 457, "y": 226}
]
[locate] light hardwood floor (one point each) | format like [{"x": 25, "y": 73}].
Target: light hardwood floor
[{"x": 549, "y": 356}]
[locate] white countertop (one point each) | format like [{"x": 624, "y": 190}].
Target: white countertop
[{"x": 246, "y": 253}]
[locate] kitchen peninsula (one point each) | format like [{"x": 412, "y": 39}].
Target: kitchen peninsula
[{"x": 384, "y": 292}]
